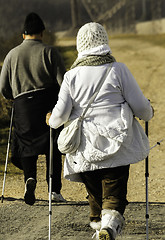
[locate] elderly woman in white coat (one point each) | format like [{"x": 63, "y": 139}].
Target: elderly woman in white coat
[{"x": 111, "y": 137}]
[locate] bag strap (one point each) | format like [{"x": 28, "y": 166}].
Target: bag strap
[{"x": 96, "y": 91}]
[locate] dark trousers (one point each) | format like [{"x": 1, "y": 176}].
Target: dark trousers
[
  {"x": 107, "y": 189},
  {"x": 29, "y": 165}
]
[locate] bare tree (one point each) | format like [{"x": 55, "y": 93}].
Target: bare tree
[
  {"x": 74, "y": 13},
  {"x": 156, "y": 9}
]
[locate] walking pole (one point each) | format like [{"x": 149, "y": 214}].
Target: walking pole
[
  {"x": 50, "y": 180},
  {"x": 147, "y": 175},
  {"x": 7, "y": 154}
]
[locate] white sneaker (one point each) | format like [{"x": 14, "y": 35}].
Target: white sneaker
[
  {"x": 57, "y": 197},
  {"x": 96, "y": 226},
  {"x": 112, "y": 223}
]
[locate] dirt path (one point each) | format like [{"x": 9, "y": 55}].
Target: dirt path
[{"x": 70, "y": 220}]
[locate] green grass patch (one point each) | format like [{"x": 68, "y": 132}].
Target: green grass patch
[
  {"x": 69, "y": 55},
  {"x": 11, "y": 169},
  {"x": 3, "y": 145}
]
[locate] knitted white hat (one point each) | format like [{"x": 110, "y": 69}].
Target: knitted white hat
[{"x": 91, "y": 35}]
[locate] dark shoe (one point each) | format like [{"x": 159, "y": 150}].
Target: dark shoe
[
  {"x": 30, "y": 187},
  {"x": 106, "y": 234}
]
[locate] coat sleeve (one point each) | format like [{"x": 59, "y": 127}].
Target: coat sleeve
[
  {"x": 5, "y": 87},
  {"x": 132, "y": 93},
  {"x": 63, "y": 108}
]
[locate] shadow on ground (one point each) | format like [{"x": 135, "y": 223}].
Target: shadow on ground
[{"x": 70, "y": 221}]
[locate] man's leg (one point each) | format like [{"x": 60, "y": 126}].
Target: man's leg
[
  {"x": 29, "y": 165},
  {"x": 56, "y": 177}
]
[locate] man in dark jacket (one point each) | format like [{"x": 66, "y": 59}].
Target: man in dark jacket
[{"x": 31, "y": 76}]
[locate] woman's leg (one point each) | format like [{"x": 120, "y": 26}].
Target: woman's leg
[
  {"x": 114, "y": 185},
  {"x": 93, "y": 186},
  {"x": 114, "y": 188}
]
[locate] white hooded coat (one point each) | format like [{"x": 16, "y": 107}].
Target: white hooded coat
[{"x": 111, "y": 136}]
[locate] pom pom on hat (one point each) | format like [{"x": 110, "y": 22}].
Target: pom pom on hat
[
  {"x": 91, "y": 35},
  {"x": 33, "y": 24}
]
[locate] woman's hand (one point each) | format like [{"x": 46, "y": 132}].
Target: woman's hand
[{"x": 47, "y": 117}]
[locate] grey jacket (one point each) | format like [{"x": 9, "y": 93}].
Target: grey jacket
[{"x": 29, "y": 67}]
